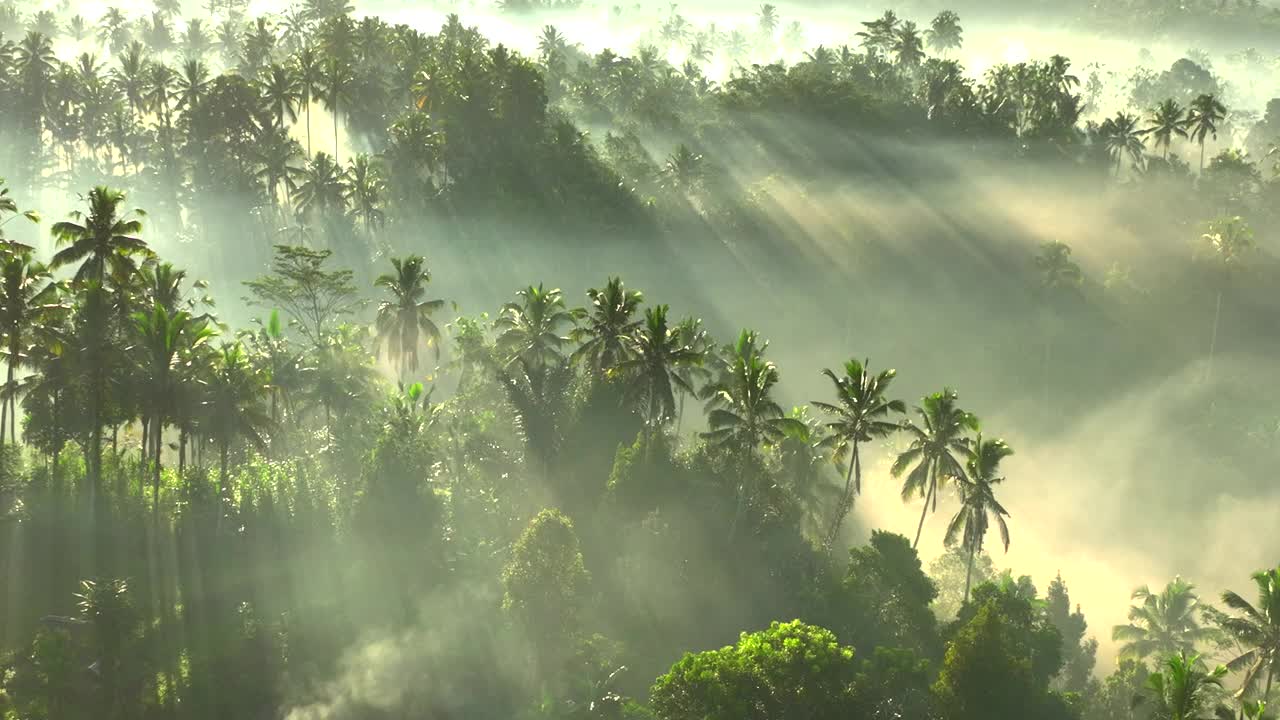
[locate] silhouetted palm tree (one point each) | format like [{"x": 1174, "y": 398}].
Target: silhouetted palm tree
[
  {"x": 404, "y": 320},
  {"x": 101, "y": 240},
  {"x": 1168, "y": 120},
  {"x": 653, "y": 357},
  {"x": 29, "y": 305},
  {"x": 1163, "y": 624},
  {"x": 321, "y": 188},
  {"x": 233, "y": 406},
  {"x": 1124, "y": 138},
  {"x": 1205, "y": 114},
  {"x": 1257, "y": 629},
  {"x": 944, "y": 32},
  {"x": 860, "y": 415},
  {"x": 908, "y": 47},
  {"x": 281, "y": 93},
  {"x": 978, "y": 502},
  {"x": 609, "y": 323},
  {"x": 1229, "y": 240},
  {"x": 937, "y": 443}
]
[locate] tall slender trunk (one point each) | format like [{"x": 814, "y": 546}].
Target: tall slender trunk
[
  {"x": 143, "y": 451},
  {"x": 923, "y": 512},
  {"x": 1213, "y": 338},
  {"x": 335, "y": 130},
  {"x": 308, "y": 127},
  {"x": 1201, "y": 156},
  {"x": 4, "y": 405},
  {"x": 968, "y": 575},
  {"x": 182, "y": 452},
  {"x": 155, "y": 477},
  {"x": 223, "y": 480},
  {"x": 846, "y": 500}
]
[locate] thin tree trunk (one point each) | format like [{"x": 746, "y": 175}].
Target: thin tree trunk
[
  {"x": 142, "y": 455},
  {"x": 222, "y": 476},
  {"x": 4, "y": 413},
  {"x": 846, "y": 499},
  {"x": 155, "y": 478},
  {"x": 1213, "y": 339},
  {"x": 1201, "y": 156},
  {"x": 335, "y": 131},
  {"x": 308, "y": 128},
  {"x": 923, "y": 512},
  {"x": 968, "y": 575}
]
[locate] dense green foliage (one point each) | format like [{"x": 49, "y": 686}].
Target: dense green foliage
[{"x": 360, "y": 504}]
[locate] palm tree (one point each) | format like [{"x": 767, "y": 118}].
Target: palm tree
[
  {"x": 322, "y": 187},
  {"x": 767, "y": 19},
  {"x": 1183, "y": 690},
  {"x": 531, "y": 368},
  {"x": 365, "y": 189},
  {"x": 1257, "y": 629},
  {"x": 233, "y": 407},
  {"x": 944, "y": 32},
  {"x": 29, "y": 304},
  {"x": 192, "y": 85},
  {"x": 405, "y": 319},
  {"x": 530, "y": 331},
  {"x": 908, "y": 47},
  {"x": 1124, "y": 138},
  {"x": 102, "y": 240},
  {"x": 281, "y": 93},
  {"x": 131, "y": 76},
  {"x": 1202, "y": 120},
  {"x": 654, "y": 354},
  {"x": 880, "y": 35},
  {"x": 336, "y": 81},
  {"x": 860, "y": 415},
  {"x": 9, "y": 207},
  {"x": 741, "y": 412},
  {"x": 1162, "y": 624},
  {"x": 308, "y": 70},
  {"x": 694, "y": 337},
  {"x": 275, "y": 155},
  {"x": 978, "y": 501},
  {"x": 113, "y": 30},
  {"x": 162, "y": 82},
  {"x": 1168, "y": 120},
  {"x": 195, "y": 40},
  {"x": 1230, "y": 240},
  {"x": 609, "y": 323},
  {"x": 935, "y": 444},
  {"x": 167, "y": 338}
]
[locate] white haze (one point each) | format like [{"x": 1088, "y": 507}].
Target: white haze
[{"x": 1072, "y": 498}]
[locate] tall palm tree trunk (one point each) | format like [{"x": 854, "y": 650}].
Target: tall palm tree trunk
[
  {"x": 968, "y": 574},
  {"x": 1201, "y": 156},
  {"x": 155, "y": 477},
  {"x": 923, "y": 512},
  {"x": 846, "y": 500},
  {"x": 142, "y": 455},
  {"x": 308, "y": 128},
  {"x": 1213, "y": 338},
  {"x": 336, "y": 120},
  {"x": 223, "y": 481}
]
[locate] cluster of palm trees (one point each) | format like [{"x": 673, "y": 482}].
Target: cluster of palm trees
[
  {"x": 1174, "y": 627},
  {"x": 658, "y": 363},
  {"x": 1166, "y": 122},
  {"x": 127, "y": 341}
]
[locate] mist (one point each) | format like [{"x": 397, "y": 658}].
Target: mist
[{"x": 366, "y": 542}]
